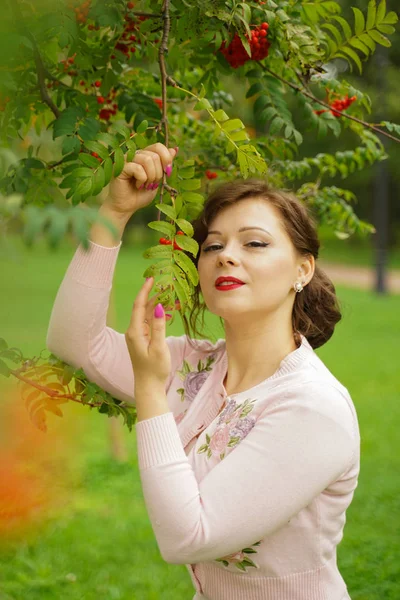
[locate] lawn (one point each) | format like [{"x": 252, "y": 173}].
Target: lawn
[{"x": 99, "y": 545}]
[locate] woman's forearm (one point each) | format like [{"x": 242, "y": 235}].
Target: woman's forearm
[{"x": 101, "y": 235}]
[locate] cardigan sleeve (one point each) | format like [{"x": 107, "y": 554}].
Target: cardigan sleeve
[
  {"x": 294, "y": 451},
  {"x": 78, "y": 333}
]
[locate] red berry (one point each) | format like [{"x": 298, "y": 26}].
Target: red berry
[
  {"x": 180, "y": 233},
  {"x": 97, "y": 84},
  {"x": 263, "y": 33},
  {"x": 130, "y": 5},
  {"x": 94, "y": 154},
  {"x": 100, "y": 100},
  {"x": 82, "y": 82},
  {"x": 162, "y": 241},
  {"x": 264, "y": 25}
]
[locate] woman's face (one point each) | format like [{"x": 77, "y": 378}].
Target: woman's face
[{"x": 262, "y": 256}]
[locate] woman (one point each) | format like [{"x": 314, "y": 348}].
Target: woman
[{"x": 248, "y": 448}]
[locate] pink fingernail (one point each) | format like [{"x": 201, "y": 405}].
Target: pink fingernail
[
  {"x": 176, "y": 149},
  {"x": 167, "y": 316},
  {"x": 155, "y": 186},
  {"x": 168, "y": 170},
  {"x": 159, "y": 311},
  {"x": 141, "y": 187}
]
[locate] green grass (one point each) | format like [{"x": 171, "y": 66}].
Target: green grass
[{"x": 100, "y": 544}]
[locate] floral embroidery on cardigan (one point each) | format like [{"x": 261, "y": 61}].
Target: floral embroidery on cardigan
[
  {"x": 233, "y": 425},
  {"x": 239, "y": 559},
  {"x": 193, "y": 379}
]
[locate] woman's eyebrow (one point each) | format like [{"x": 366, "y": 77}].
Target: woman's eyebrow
[{"x": 243, "y": 229}]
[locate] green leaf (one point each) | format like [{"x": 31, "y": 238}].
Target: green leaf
[
  {"x": 84, "y": 187},
  {"x": 83, "y": 171},
  {"x": 181, "y": 287},
  {"x": 108, "y": 139},
  {"x": 232, "y": 124},
  {"x": 185, "y": 226},
  {"x": 57, "y": 229},
  {"x": 192, "y": 197},
  {"x": 359, "y": 20},
  {"x": 391, "y": 18},
  {"x": 345, "y": 26},
  {"x": 3, "y": 344},
  {"x": 162, "y": 226},
  {"x": 98, "y": 148},
  {"x": 238, "y": 136},
  {"x": 371, "y": 15},
  {"x": 186, "y": 265},
  {"x": 203, "y": 104},
  {"x": 352, "y": 54},
  {"x": 158, "y": 252},
  {"x": 188, "y": 244},
  {"x": 379, "y": 38},
  {"x": 190, "y": 184},
  {"x": 357, "y": 43},
  {"x": 254, "y": 89},
  {"x": 276, "y": 125},
  {"x": 4, "y": 369},
  {"x": 122, "y": 130},
  {"x": 386, "y": 29},
  {"x": 119, "y": 162},
  {"x": 221, "y": 115},
  {"x": 365, "y": 39},
  {"x": 381, "y": 12},
  {"x": 108, "y": 167},
  {"x": 70, "y": 144},
  {"x": 167, "y": 210},
  {"x": 142, "y": 127},
  {"x": 98, "y": 181},
  {"x": 88, "y": 160}
]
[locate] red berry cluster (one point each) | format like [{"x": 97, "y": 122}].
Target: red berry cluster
[
  {"x": 81, "y": 12},
  {"x": 112, "y": 108},
  {"x": 165, "y": 242},
  {"x": 236, "y": 54},
  {"x": 126, "y": 42},
  {"x": 211, "y": 174},
  {"x": 338, "y": 105},
  {"x": 96, "y": 156},
  {"x": 66, "y": 65}
]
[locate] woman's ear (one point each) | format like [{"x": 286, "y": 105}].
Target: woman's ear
[{"x": 306, "y": 268}]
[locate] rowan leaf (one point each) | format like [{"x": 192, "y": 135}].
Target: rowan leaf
[{"x": 119, "y": 162}]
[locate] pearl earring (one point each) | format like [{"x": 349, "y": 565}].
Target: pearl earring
[{"x": 298, "y": 287}]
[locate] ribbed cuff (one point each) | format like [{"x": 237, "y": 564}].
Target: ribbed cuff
[
  {"x": 95, "y": 266},
  {"x": 158, "y": 441}
]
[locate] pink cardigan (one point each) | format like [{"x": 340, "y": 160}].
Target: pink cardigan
[{"x": 254, "y": 506}]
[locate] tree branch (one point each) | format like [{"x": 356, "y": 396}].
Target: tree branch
[
  {"x": 164, "y": 119},
  {"x": 40, "y": 68},
  {"x": 322, "y": 103}
]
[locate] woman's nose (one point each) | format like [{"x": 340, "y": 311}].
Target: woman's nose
[{"x": 226, "y": 257}]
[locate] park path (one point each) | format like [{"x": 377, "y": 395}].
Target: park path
[{"x": 360, "y": 277}]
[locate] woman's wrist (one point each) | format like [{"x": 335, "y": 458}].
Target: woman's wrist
[{"x": 100, "y": 234}]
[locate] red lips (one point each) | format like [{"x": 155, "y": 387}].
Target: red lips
[{"x": 232, "y": 279}]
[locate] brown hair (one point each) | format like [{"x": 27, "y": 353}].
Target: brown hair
[{"x": 316, "y": 309}]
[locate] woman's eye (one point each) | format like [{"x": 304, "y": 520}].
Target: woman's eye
[{"x": 252, "y": 244}]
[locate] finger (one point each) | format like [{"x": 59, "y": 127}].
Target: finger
[
  {"x": 157, "y": 165},
  {"x": 133, "y": 169},
  {"x": 158, "y": 328},
  {"x": 167, "y": 155},
  {"x": 143, "y": 158},
  {"x": 139, "y": 308}
]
